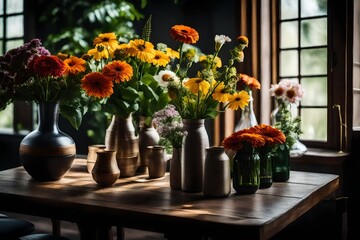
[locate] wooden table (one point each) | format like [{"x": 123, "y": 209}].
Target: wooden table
[{"x": 142, "y": 203}]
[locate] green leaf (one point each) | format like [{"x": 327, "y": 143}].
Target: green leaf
[
  {"x": 149, "y": 93},
  {"x": 74, "y": 116}
]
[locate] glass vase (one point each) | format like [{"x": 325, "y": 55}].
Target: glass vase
[
  {"x": 265, "y": 168},
  {"x": 248, "y": 118},
  {"x": 246, "y": 172},
  {"x": 281, "y": 164}
]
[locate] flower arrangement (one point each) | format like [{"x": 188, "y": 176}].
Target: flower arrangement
[
  {"x": 31, "y": 73},
  {"x": 214, "y": 85},
  {"x": 255, "y": 138},
  {"x": 169, "y": 126},
  {"x": 123, "y": 77},
  {"x": 287, "y": 92}
]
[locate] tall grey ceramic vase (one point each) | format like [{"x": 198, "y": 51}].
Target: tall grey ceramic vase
[
  {"x": 194, "y": 143},
  {"x": 120, "y": 137},
  {"x": 47, "y": 153}
]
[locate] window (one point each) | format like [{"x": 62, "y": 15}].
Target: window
[
  {"x": 11, "y": 36},
  {"x": 303, "y": 50}
]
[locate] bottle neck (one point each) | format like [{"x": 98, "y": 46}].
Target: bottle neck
[{"x": 48, "y": 113}]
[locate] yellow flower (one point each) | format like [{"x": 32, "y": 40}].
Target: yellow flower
[
  {"x": 238, "y": 99},
  {"x": 160, "y": 59},
  {"x": 197, "y": 84},
  {"x": 99, "y": 52},
  {"x": 141, "y": 49},
  {"x": 109, "y": 40},
  {"x": 172, "y": 53},
  {"x": 220, "y": 93}
]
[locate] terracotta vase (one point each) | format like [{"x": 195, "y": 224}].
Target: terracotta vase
[
  {"x": 47, "y": 153},
  {"x": 148, "y": 136},
  {"x": 156, "y": 161},
  {"x": 105, "y": 171},
  {"x": 217, "y": 180},
  {"x": 120, "y": 137},
  {"x": 91, "y": 156},
  {"x": 194, "y": 143},
  {"x": 175, "y": 169}
]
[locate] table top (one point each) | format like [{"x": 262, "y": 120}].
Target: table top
[{"x": 150, "y": 204}]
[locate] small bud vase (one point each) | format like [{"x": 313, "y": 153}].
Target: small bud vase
[
  {"x": 156, "y": 161},
  {"x": 217, "y": 181},
  {"x": 105, "y": 171}
]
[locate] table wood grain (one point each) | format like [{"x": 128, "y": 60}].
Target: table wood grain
[{"x": 150, "y": 204}]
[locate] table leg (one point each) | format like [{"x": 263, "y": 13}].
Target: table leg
[
  {"x": 56, "y": 226},
  {"x": 91, "y": 231}
]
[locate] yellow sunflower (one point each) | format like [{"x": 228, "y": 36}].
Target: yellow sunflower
[
  {"x": 172, "y": 53},
  {"x": 238, "y": 99},
  {"x": 109, "y": 40},
  {"x": 220, "y": 93},
  {"x": 160, "y": 59},
  {"x": 74, "y": 65},
  {"x": 141, "y": 49},
  {"x": 97, "y": 85},
  {"x": 99, "y": 52},
  {"x": 118, "y": 71},
  {"x": 197, "y": 84}
]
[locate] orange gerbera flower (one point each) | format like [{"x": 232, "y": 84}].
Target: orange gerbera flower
[
  {"x": 141, "y": 49},
  {"x": 184, "y": 34},
  {"x": 160, "y": 59},
  {"x": 271, "y": 134},
  {"x": 118, "y": 71},
  {"x": 250, "y": 81},
  {"x": 97, "y": 85},
  {"x": 109, "y": 40},
  {"x": 237, "y": 141},
  {"x": 74, "y": 65}
]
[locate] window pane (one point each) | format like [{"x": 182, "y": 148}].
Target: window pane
[
  {"x": 289, "y": 63},
  {"x": 13, "y": 44},
  {"x": 15, "y": 26},
  {"x": 314, "y": 124},
  {"x": 14, "y": 6},
  {"x": 6, "y": 117},
  {"x": 1, "y": 27},
  {"x": 356, "y": 109},
  {"x": 289, "y": 9},
  {"x": 1, "y": 7},
  {"x": 314, "y": 32},
  {"x": 311, "y": 8},
  {"x": 289, "y": 34},
  {"x": 313, "y": 61},
  {"x": 1, "y": 48},
  {"x": 315, "y": 91}
]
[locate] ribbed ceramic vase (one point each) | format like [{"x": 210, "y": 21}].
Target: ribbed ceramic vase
[
  {"x": 47, "y": 153},
  {"x": 194, "y": 143},
  {"x": 120, "y": 137},
  {"x": 148, "y": 136},
  {"x": 217, "y": 180}
]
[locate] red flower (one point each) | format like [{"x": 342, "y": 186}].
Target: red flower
[{"x": 47, "y": 66}]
